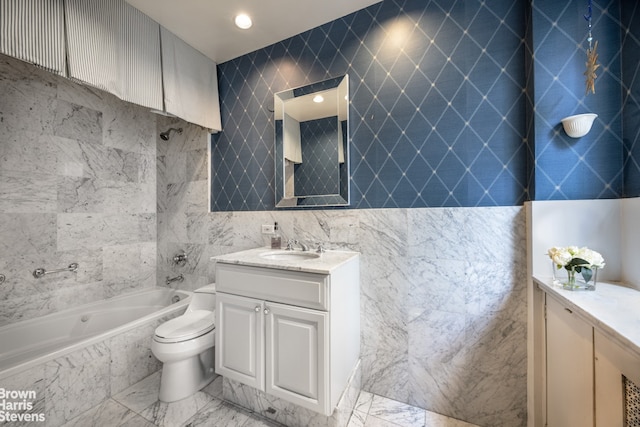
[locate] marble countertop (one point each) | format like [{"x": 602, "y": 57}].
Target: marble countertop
[
  {"x": 612, "y": 308},
  {"x": 324, "y": 264}
]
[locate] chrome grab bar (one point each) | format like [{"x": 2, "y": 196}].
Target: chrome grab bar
[{"x": 39, "y": 272}]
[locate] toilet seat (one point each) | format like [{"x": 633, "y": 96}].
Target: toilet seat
[{"x": 188, "y": 326}]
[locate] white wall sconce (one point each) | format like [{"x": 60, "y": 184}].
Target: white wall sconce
[{"x": 579, "y": 125}]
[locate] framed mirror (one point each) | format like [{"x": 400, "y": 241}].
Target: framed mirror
[{"x": 312, "y": 144}]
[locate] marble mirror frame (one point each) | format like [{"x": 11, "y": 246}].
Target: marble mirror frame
[{"x": 312, "y": 145}]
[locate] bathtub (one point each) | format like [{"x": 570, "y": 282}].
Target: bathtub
[{"x": 33, "y": 342}]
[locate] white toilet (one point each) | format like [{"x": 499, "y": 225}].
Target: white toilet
[{"x": 184, "y": 345}]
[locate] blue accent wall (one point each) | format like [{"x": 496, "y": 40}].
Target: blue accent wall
[
  {"x": 630, "y": 24},
  {"x": 319, "y": 172},
  {"x": 453, "y": 103},
  {"x": 576, "y": 168}
]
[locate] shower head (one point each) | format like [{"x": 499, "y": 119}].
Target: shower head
[{"x": 165, "y": 135}]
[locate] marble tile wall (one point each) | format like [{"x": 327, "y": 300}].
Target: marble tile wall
[
  {"x": 77, "y": 184},
  {"x": 443, "y": 301},
  {"x": 183, "y": 203}
]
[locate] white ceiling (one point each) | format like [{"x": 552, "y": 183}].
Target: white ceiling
[{"x": 208, "y": 26}]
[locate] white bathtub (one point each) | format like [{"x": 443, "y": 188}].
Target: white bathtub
[{"x": 35, "y": 341}]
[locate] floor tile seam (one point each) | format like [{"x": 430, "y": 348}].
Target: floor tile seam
[
  {"x": 361, "y": 412},
  {"x": 391, "y": 422},
  {"x": 121, "y": 402},
  {"x": 123, "y": 399},
  {"x": 242, "y": 409},
  {"x": 127, "y": 414},
  {"x": 405, "y": 406},
  {"x": 130, "y": 412}
]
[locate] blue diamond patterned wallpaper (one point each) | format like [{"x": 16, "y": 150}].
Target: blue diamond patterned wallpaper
[
  {"x": 453, "y": 103},
  {"x": 630, "y": 14},
  {"x": 319, "y": 172},
  {"x": 589, "y": 167}
]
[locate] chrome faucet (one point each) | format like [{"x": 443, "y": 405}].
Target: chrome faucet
[{"x": 292, "y": 242}]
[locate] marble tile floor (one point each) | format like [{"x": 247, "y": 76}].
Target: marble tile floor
[{"x": 138, "y": 406}]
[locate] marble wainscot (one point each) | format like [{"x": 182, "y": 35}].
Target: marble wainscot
[{"x": 443, "y": 311}]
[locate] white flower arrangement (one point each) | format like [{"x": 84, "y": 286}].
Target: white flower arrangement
[{"x": 576, "y": 260}]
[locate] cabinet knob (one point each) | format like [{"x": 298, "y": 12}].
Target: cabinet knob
[
  {"x": 266, "y": 311},
  {"x": 257, "y": 309}
]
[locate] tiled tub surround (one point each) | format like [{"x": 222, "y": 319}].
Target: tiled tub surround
[
  {"x": 69, "y": 385},
  {"x": 77, "y": 184},
  {"x": 183, "y": 203},
  {"x": 36, "y": 341}
]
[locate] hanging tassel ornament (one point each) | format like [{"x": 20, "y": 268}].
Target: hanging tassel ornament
[{"x": 592, "y": 58}]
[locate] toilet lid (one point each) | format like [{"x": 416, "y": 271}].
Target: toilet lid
[{"x": 190, "y": 325}]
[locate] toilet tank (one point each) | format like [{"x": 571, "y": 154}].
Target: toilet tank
[{"x": 203, "y": 298}]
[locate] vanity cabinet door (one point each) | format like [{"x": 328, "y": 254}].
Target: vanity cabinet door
[
  {"x": 239, "y": 347},
  {"x": 569, "y": 368},
  {"x": 297, "y": 346}
]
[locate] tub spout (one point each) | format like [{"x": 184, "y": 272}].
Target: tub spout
[{"x": 179, "y": 278}]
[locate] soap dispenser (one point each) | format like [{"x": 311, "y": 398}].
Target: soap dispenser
[{"x": 276, "y": 240}]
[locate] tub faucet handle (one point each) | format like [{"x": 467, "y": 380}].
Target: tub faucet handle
[{"x": 180, "y": 259}]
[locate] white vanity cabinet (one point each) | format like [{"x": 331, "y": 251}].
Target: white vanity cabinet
[{"x": 292, "y": 334}]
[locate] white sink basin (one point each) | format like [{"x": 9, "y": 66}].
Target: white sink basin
[{"x": 290, "y": 255}]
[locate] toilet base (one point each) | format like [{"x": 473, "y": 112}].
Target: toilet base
[{"x": 183, "y": 378}]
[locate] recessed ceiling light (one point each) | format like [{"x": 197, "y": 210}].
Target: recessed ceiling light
[
  {"x": 243, "y": 21},
  {"x": 318, "y": 98}
]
